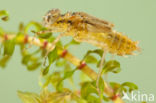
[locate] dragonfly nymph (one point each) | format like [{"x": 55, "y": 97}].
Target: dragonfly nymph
[{"x": 86, "y": 28}]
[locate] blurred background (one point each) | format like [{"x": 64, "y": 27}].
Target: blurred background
[{"x": 134, "y": 18}]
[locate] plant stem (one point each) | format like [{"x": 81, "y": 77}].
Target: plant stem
[{"x": 69, "y": 57}]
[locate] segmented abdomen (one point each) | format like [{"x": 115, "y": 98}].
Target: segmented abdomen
[{"x": 114, "y": 42}]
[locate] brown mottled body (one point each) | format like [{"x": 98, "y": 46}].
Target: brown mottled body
[
  {"x": 114, "y": 42},
  {"x": 86, "y": 28}
]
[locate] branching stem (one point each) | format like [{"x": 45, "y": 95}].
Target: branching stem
[{"x": 69, "y": 57}]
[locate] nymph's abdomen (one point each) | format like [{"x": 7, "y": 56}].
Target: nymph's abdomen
[{"x": 114, "y": 42}]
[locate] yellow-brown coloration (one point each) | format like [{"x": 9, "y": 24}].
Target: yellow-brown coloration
[{"x": 86, "y": 28}]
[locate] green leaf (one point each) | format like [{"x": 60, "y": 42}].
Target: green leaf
[
  {"x": 27, "y": 97},
  {"x": 26, "y": 58},
  {"x": 112, "y": 66},
  {"x": 54, "y": 79},
  {"x": 30, "y": 61},
  {"x": 33, "y": 66},
  {"x": 106, "y": 98},
  {"x": 51, "y": 39},
  {"x": 1, "y": 32},
  {"x": 87, "y": 88},
  {"x": 4, "y": 60},
  {"x": 4, "y": 15},
  {"x": 52, "y": 56},
  {"x": 77, "y": 98},
  {"x": 43, "y": 34},
  {"x": 56, "y": 97},
  {"x": 59, "y": 86},
  {"x": 131, "y": 86},
  {"x": 89, "y": 91},
  {"x": 84, "y": 77},
  {"x": 40, "y": 31},
  {"x": 69, "y": 74},
  {"x": 32, "y": 24},
  {"x": 60, "y": 63},
  {"x": 96, "y": 51},
  {"x": 101, "y": 85},
  {"x": 9, "y": 46},
  {"x": 72, "y": 42},
  {"x": 90, "y": 59},
  {"x": 45, "y": 70},
  {"x": 92, "y": 99},
  {"x": 115, "y": 86}
]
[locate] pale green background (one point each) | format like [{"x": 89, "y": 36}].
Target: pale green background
[{"x": 135, "y": 18}]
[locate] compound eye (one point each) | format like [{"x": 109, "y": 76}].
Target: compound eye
[{"x": 48, "y": 18}]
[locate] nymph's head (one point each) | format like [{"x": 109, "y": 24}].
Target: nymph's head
[{"x": 50, "y": 17}]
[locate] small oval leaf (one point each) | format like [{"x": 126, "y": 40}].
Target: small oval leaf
[{"x": 4, "y": 15}]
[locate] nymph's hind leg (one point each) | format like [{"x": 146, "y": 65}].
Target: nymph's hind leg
[
  {"x": 106, "y": 75},
  {"x": 38, "y": 33},
  {"x": 43, "y": 32},
  {"x": 100, "y": 71},
  {"x": 53, "y": 44},
  {"x": 113, "y": 56}
]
